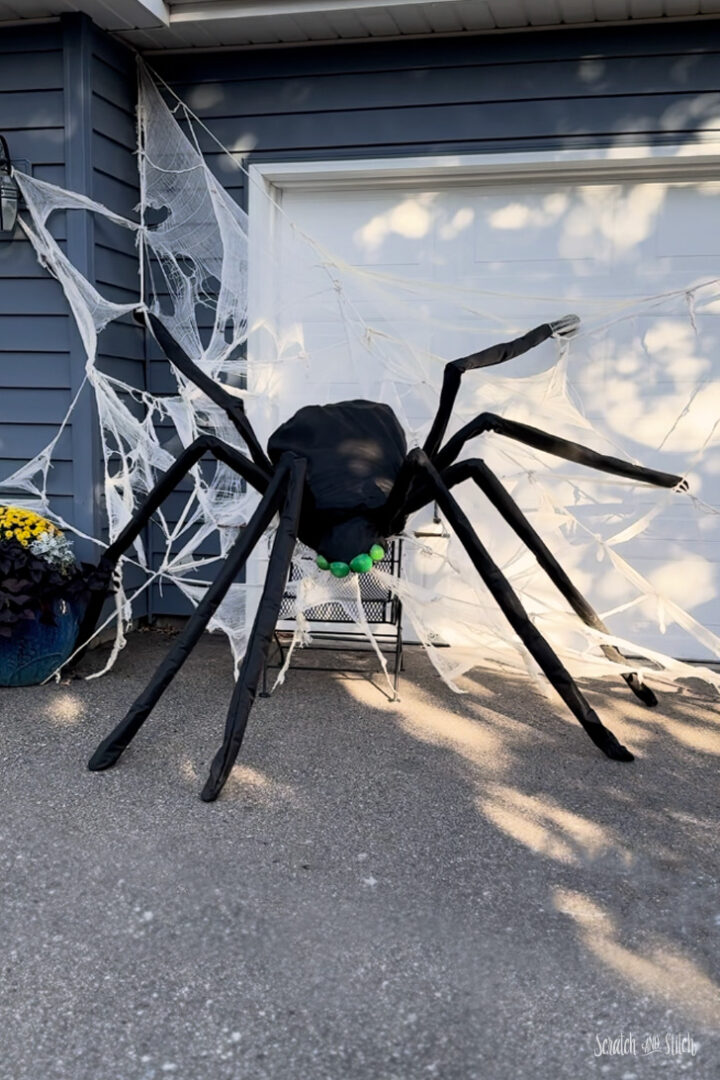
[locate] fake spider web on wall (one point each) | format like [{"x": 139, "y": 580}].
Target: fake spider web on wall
[{"x": 325, "y": 330}]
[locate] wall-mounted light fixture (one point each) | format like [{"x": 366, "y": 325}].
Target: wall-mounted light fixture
[{"x": 8, "y": 189}]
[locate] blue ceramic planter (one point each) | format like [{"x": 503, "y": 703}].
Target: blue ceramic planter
[{"x": 34, "y": 651}]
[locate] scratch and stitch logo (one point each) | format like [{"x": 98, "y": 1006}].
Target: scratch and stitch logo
[{"x": 628, "y": 1044}]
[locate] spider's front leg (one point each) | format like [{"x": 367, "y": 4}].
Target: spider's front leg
[
  {"x": 496, "y": 354},
  {"x": 418, "y": 467},
  {"x": 284, "y": 493},
  {"x": 204, "y": 444}
]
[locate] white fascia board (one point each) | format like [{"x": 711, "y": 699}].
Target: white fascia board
[
  {"x": 232, "y": 9},
  {"x": 140, "y": 14},
  {"x": 158, "y": 9}
]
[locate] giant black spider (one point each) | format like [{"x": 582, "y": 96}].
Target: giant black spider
[{"x": 343, "y": 483}]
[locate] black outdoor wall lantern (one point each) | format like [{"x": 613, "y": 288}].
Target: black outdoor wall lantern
[{"x": 8, "y": 190}]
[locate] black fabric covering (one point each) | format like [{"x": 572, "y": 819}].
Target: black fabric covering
[
  {"x": 354, "y": 451},
  {"x": 261, "y": 634},
  {"x": 233, "y": 406},
  {"x": 205, "y": 444},
  {"x": 285, "y": 490},
  {"x": 488, "y": 482},
  {"x": 551, "y": 444},
  {"x": 496, "y": 354},
  {"x": 516, "y": 615}
]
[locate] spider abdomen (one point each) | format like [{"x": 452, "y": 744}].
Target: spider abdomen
[
  {"x": 353, "y": 449},
  {"x": 353, "y": 452}
]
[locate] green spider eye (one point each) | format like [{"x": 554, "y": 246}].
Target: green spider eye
[
  {"x": 377, "y": 553},
  {"x": 322, "y": 562},
  {"x": 361, "y": 564},
  {"x": 339, "y": 569}
]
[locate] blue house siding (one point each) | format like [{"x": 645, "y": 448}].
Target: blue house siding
[
  {"x": 36, "y": 362},
  {"x": 112, "y": 79},
  {"x": 540, "y": 90},
  {"x": 67, "y": 100}
]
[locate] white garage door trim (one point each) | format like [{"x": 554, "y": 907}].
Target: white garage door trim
[{"x": 691, "y": 160}]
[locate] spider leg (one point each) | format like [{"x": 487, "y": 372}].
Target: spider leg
[
  {"x": 260, "y": 635},
  {"x": 499, "y": 496},
  {"x": 496, "y": 354},
  {"x": 111, "y": 748},
  {"x": 552, "y": 444},
  {"x": 167, "y": 483},
  {"x": 513, "y": 610},
  {"x": 232, "y": 405}
]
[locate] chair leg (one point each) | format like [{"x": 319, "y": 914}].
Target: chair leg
[{"x": 398, "y": 649}]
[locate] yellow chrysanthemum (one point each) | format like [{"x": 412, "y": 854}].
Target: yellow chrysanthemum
[{"x": 24, "y": 525}]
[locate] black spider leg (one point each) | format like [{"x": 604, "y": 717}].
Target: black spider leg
[
  {"x": 111, "y": 748},
  {"x": 551, "y": 444},
  {"x": 418, "y": 463},
  {"x": 499, "y": 496},
  {"x": 496, "y": 354},
  {"x": 255, "y": 476},
  {"x": 261, "y": 634},
  {"x": 232, "y": 405}
]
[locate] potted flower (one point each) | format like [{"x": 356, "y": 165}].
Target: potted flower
[{"x": 43, "y": 593}]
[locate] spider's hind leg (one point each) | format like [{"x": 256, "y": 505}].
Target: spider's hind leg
[
  {"x": 418, "y": 462},
  {"x": 487, "y": 481}
]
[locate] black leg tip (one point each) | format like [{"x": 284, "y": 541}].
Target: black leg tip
[
  {"x": 606, "y": 741},
  {"x": 103, "y": 759},
  {"x": 641, "y": 691},
  {"x": 210, "y": 792},
  {"x": 618, "y": 752}
]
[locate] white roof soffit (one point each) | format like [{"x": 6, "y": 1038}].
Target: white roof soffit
[{"x": 211, "y": 24}]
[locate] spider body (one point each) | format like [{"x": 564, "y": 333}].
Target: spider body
[
  {"x": 354, "y": 451},
  {"x": 342, "y": 481}
]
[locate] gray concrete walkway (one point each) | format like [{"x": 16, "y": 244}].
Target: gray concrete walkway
[{"x": 452, "y": 887}]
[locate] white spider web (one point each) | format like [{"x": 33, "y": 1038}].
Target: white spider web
[{"x": 323, "y": 330}]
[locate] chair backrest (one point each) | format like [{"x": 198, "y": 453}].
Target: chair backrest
[{"x": 378, "y": 604}]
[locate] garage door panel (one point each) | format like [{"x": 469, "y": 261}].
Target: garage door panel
[
  {"x": 504, "y": 257},
  {"x": 393, "y": 231}
]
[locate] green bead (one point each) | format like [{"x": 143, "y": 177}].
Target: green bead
[
  {"x": 361, "y": 564},
  {"x": 339, "y": 569},
  {"x": 322, "y": 562},
  {"x": 377, "y": 553}
]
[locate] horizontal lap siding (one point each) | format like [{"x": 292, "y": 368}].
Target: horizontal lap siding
[
  {"x": 543, "y": 89},
  {"x": 35, "y": 331},
  {"x": 67, "y": 105},
  {"x": 115, "y": 184},
  {"x": 121, "y": 346}
]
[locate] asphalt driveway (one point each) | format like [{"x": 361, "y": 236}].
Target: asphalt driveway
[{"x": 449, "y": 886}]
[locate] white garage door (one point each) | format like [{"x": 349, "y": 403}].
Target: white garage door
[{"x": 536, "y": 249}]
